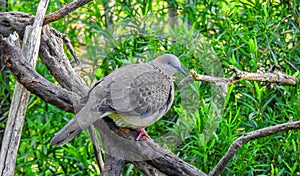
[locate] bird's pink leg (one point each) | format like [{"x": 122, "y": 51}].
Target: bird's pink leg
[{"x": 141, "y": 133}]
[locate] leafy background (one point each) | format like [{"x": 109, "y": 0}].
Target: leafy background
[{"x": 210, "y": 35}]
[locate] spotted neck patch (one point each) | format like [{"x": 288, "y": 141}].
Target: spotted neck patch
[{"x": 157, "y": 68}]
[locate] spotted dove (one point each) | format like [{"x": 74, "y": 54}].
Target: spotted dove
[{"x": 134, "y": 96}]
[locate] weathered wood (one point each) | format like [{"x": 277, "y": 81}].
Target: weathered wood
[
  {"x": 53, "y": 55},
  {"x": 66, "y": 76},
  {"x": 55, "y": 59},
  {"x": 146, "y": 168},
  {"x": 13, "y": 130},
  {"x": 4, "y": 72},
  {"x": 113, "y": 166},
  {"x": 120, "y": 143},
  {"x": 14, "y": 21},
  {"x": 33, "y": 81},
  {"x": 67, "y": 9},
  {"x": 97, "y": 149},
  {"x": 271, "y": 77}
]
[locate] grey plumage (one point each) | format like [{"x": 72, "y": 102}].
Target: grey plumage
[{"x": 134, "y": 96}]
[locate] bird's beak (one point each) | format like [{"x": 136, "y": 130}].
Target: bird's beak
[{"x": 181, "y": 71}]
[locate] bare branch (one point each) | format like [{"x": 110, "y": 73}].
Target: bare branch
[
  {"x": 97, "y": 149},
  {"x": 273, "y": 76},
  {"x": 52, "y": 53},
  {"x": 48, "y": 91},
  {"x": 113, "y": 166},
  {"x": 120, "y": 143},
  {"x": 33, "y": 81},
  {"x": 67, "y": 41},
  {"x": 54, "y": 57},
  {"x": 239, "y": 142},
  {"x": 70, "y": 47},
  {"x": 69, "y": 8},
  {"x": 17, "y": 111},
  {"x": 14, "y": 21}
]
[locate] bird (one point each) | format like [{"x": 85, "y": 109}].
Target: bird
[{"x": 133, "y": 96}]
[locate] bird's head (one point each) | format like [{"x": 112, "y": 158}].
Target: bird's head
[{"x": 169, "y": 63}]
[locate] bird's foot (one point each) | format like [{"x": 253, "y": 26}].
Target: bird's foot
[{"x": 142, "y": 133}]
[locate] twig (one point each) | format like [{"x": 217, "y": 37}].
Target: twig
[
  {"x": 291, "y": 65},
  {"x": 97, "y": 149},
  {"x": 239, "y": 142},
  {"x": 273, "y": 76},
  {"x": 59, "y": 14},
  {"x": 67, "y": 41}
]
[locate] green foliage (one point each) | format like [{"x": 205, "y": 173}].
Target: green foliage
[{"x": 210, "y": 36}]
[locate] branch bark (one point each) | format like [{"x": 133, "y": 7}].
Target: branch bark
[
  {"x": 64, "y": 11},
  {"x": 34, "y": 82},
  {"x": 120, "y": 143},
  {"x": 273, "y": 76},
  {"x": 241, "y": 141},
  {"x": 20, "y": 98}
]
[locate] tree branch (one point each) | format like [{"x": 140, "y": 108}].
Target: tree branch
[
  {"x": 18, "y": 107},
  {"x": 273, "y": 76},
  {"x": 239, "y": 142},
  {"x": 113, "y": 166},
  {"x": 33, "y": 81},
  {"x": 120, "y": 143},
  {"x": 64, "y": 11},
  {"x": 54, "y": 57}
]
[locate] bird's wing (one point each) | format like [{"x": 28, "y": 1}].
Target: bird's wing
[{"x": 139, "y": 93}]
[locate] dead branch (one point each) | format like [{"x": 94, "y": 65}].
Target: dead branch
[
  {"x": 113, "y": 166},
  {"x": 14, "y": 21},
  {"x": 273, "y": 76},
  {"x": 239, "y": 142},
  {"x": 18, "y": 107},
  {"x": 120, "y": 143},
  {"x": 64, "y": 11},
  {"x": 71, "y": 49},
  {"x": 32, "y": 81},
  {"x": 58, "y": 64}
]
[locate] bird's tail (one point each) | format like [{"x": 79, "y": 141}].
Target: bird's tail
[{"x": 67, "y": 133}]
